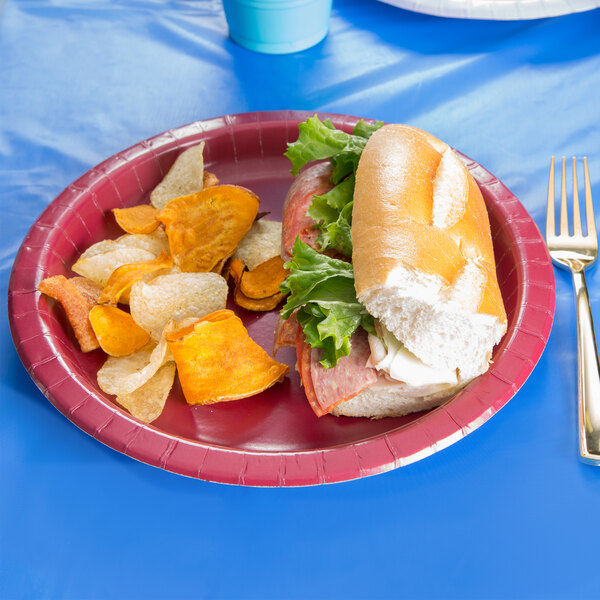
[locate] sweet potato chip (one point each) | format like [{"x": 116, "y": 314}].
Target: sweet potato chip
[
  {"x": 264, "y": 280},
  {"x": 209, "y": 180},
  {"x": 118, "y": 334},
  {"x": 175, "y": 296},
  {"x": 238, "y": 273},
  {"x": 123, "y": 277},
  {"x": 186, "y": 176},
  {"x": 137, "y": 219},
  {"x": 76, "y": 304},
  {"x": 236, "y": 268},
  {"x": 148, "y": 401},
  {"x": 217, "y": 361},
  {"x": 205, "y": 227}
]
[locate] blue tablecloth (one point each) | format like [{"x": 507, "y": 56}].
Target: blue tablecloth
[{"x": 507, "y": 512}]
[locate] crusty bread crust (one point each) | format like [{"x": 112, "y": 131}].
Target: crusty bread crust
[{"x": 393, "y": 217}]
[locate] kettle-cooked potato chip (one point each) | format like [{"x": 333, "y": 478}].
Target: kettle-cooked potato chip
[
  {"x": 117, "y": 333},
  {"x": 218, "y": 361},
  {"x": 147, "y": 402},
  {"x": 186, "y": 176},
  {"x": 123, "y": 277},
  {"x": 121, "y": 375},
  {"x": 175, "y": 296},
  {"x": 137, "y": 219},
  {"x": 101, "y": 259},
  {"x": 205, "y": 227},
  {"x": 98, "y": 267},
  {"x": 262, "y": 242},
  {"x": 155, "y": 242},
  {"x": 76, "y": 303}
]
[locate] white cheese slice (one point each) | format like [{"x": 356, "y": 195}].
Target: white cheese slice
[{"x": 390, "y": 356}]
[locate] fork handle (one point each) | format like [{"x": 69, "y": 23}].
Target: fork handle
[{"x": 589, "y": 375}]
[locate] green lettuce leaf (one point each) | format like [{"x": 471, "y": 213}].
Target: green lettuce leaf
[
  {"x": 318, "y": 140},
  {"x": 333, "y": 214},
  {"x": 321, "y": 288},
  {"x": 366, "y": 130}
]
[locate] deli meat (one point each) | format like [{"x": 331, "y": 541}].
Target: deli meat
[
  {"x": 285, "y": 332},
  {"x": 344, "y": 381},
  {"x": 313, "y": 181},
  {"x": 303, "y": 364}
]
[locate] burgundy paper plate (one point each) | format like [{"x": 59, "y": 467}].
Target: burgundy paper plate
[{"x": 273, "y": 439}]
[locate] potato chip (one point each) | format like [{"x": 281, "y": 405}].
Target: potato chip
[
  {"x": 99, "y": 248},
  {"x": 218, "y": 361},
  {"x": 205, "y": 227},
  {"x": 262, "y": 242},
  {"x": 121, "y": 375},
  {"x": 148, "y": 401},
  {"x": 122, "y": 278},
  {"x": 99, "y": 266},
  {"x": 155, "y": 242},
  {"x": 76, "y": 304},
  {"x": 117, "y": 333},
  {"x": 186, "y": 176},
  {"x": 264, "y": 281},
  {"x": 175, "y": 296},
  {"x": 137, "y": 219}
]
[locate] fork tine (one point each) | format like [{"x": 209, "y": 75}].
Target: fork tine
[
  {"x": 589, "y": 207},
  {"x": 576, "y": 213},
  {"x": 550, "y": 225},
  {"x": 564, "y": 220}
]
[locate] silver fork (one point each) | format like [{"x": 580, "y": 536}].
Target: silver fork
[{"x": 576, "y": 253}]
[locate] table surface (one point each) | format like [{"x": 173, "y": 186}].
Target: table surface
[{"x": 507, "y": 512}]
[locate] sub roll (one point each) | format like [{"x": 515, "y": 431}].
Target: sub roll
[{"x": 424, "y": 271}]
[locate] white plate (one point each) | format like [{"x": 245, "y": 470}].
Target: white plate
[{"x": 501, "y": 10}]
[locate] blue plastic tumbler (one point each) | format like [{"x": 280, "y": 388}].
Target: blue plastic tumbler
[{"x": 277, "y": 26}]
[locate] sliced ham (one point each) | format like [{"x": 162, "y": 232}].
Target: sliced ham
[{"x": 313, "y": 181}]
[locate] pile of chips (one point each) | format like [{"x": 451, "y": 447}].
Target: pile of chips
[{"x": 154, "y": 299}]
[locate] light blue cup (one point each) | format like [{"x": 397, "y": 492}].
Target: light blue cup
[{"x": 277, "y": 26}]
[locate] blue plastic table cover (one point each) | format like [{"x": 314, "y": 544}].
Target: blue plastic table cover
[{"x": 507, "y": 512}]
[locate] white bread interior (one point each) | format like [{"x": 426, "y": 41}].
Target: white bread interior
[
  {"x": 423, "y": 264},
  {"x": 384, "y": 399}
]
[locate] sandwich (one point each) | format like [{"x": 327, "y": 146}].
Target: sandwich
[{"x": 393, "y": 301}]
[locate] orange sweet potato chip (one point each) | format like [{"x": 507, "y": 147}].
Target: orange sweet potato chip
[
  {"x": 209, "y": 179},
  {"x": 258, "y": 305},
  {"x": 218, "y": 361},
  {"x": 264, "y": 280},
  {"x": 137, "y": 219},
  {"x": 205, "y": 227},
  {"x": 89, "y": 289},
  {"x": 118, "y": 334},
  {"x": 76, "y": 304},
  {"x": 122, "y": 278},
  {"x": 238, "y": 273}
]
